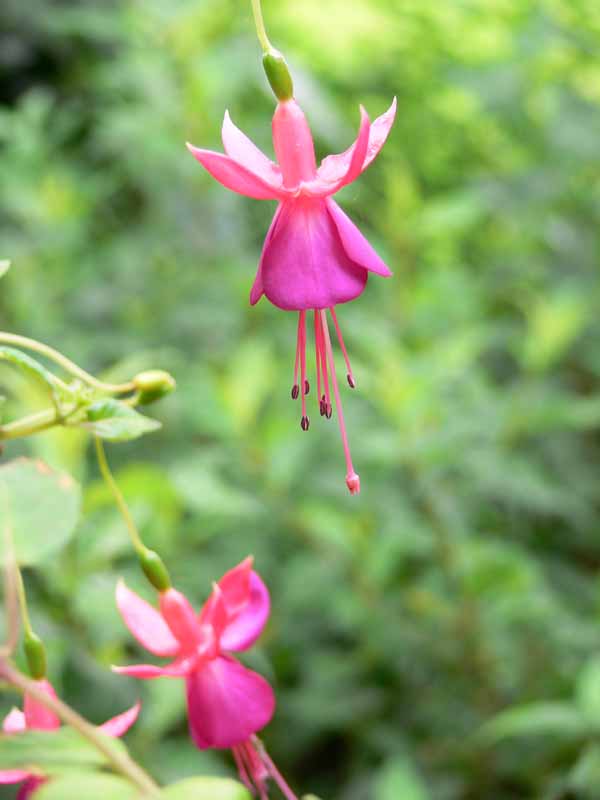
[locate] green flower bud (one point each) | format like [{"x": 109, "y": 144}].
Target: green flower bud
[
  {"x": 278, "y": 74},
  {"x": 155, "y": 570},
  {"x": 35, "y": 652},
  {"x": 152, "y": 385}
]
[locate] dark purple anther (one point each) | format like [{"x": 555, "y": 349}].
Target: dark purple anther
[
  {"x": 351, "y": 383},
  {"x": 305, "y": 423},
  {"x": 328, "y": 410},
  {"x": 295, "y": 391},
  {"x": 306, "y": 387},
  {"x": 322, "y": 406}
]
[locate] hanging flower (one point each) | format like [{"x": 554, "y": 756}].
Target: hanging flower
[
  {"x": 227, "y": 703},
  {"x": 314, "y": 257},
  {"x": 35, "y": 716}
]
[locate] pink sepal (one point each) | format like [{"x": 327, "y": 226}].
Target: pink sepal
[
  {"x": 242, "y": 150},
  {"x": 357, "y": 248},
  {"x": 145, "y": 623},
  {"x": 120, "y": 724},
  {"x": 234, "y": 176},
  {"x": 37, "y": 716}
]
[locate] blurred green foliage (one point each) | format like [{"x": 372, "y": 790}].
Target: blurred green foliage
[{"x": 436, "y": 637}]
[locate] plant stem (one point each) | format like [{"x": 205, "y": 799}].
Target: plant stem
[
  {"x": 34, "y": 423},
  {"x": 23, "y": 603},
  {"x": 11, "y": 601},
  {"x": 260, "y": 27},
  {"x": 134, "y": 535},
  {"x": 120, "y": 761},
  {"x": 64, "y": 362}
]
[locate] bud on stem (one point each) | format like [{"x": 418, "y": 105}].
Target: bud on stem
[
  {"x": 152, "y": 385},
  {"x": 35, "y": 652},
  {"x": 154, "y": 569},
  {"x": 278, "y": 74}
]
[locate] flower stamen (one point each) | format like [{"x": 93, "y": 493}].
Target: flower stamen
[
  {"x": 352, "y": 479},
  {"x": 349, "y": 375}
]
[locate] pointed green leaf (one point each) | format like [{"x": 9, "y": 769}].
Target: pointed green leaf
[
  {"x": 206, "y": 789},
  {"x": 561, "y": 720},
  {"x": 40, "y": 507},
  {"x": 29, "y": 366},
  {"x": 52, "y": 752},
  {"x": 88, "y": 785},
  {"x": 117, "y": 422}
]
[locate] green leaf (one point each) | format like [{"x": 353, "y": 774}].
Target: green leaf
[
  {"x": 399, "y": 780},
  {"x": 88, "y": 785},
  {"x": 30, "y": 367},
  {"x": 117, "y": 422},
  {"x": 587, "y": 690},
  {"x": 206, "y": 789},
  {"x": 40, "y": 506},
  {"x": 51, "y": 752},
  {"x": 537, "y": 719},
  {"x": 4, "y": 267}
]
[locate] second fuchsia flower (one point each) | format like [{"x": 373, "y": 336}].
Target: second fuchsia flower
[
  {"x": 227, "y": 703},
  {"x": 35, "y": 716},
  {"x": 314, "y": 257}
]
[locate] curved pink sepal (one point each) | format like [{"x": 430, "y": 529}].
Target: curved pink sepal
[
  {"x": 146, "y": 671},
  {"x": 247, "y": 625},
  {"x": 334, "y": 167},
  {"x": 145, "y": 623},
  {"x": 234, "y": 176},
  {"x": 227, "y": 703},
  {"x": 304, "y": 265},
  {"x": 243, "y": 150},
  {"x": 120, "y": 724},
  {"x": 357, "y": 248},
  {"x": 14, "y": 721},
  {"x": 12, "y": 776},
  {"x": 350, "y": 167},
  {"x": 37, "y": 716}
]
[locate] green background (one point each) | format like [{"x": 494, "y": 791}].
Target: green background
[{"x": 463, "y": 581}]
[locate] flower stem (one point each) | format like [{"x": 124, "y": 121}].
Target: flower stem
[
  {"x": 261, "y": 32},
  {"x": 134, "y": 534},
  {"x": 34, "y": 423},
  {"x": 64, "y": 362},
  {"x": 121, "y": 761},
  {"x": 11, "y": 594}
]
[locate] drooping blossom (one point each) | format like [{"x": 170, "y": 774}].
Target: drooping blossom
[
  {"x": 227, "y": 703},
  {"x": 35, "y": 716},
  {"x": 314, "y": 257}
]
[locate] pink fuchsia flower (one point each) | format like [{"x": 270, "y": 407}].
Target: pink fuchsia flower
[
  {"x": 35, "y": 716},
  {"x": 314, "y": 257},
  {"x": 227, "y": 703}
]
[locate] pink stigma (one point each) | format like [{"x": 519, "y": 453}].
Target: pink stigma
[{"x": 326, "y": 377}]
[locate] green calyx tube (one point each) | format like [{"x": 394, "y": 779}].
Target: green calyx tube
[
  {"x": 154, "y": 569},
  {"x": 35, "y": 653}
]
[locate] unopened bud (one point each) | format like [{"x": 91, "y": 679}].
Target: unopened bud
[
  {"x": 35, "y": 653},
  {"x": 155, "y": 570},
  {"x": 278, "y": 74},
  {"x": 152, "y": 385}
]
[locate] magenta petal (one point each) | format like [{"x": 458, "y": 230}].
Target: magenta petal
[
  {"x": 246, "y": 627},
  {"x": 227, "y": 703},
  {"x": 258, "y": 290},
  {"x": 12, "y": 776},
  {"x": 356, "y": 246},
  {"x": 145, "y": 623},
  {"x": 120, "y": 724},
  {"x": 234, "y": 176},
  {"x": 241, "y": 149},
  {"x": 37, "y": 716},
  {"x": 14, "y": 722},
  {"x": 304, "y": 265}
]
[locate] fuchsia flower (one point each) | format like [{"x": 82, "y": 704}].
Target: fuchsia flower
[
  {"x": 35, "y": 716},
  {"x": 314, "y": 257},
  {"x": 227, "y": 703}
]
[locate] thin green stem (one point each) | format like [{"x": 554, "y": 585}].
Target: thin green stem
[
  {"x": 134, "y": 535},
  {"x": 120, "y": 760},
  {"x": 260, "y": 27},
  {"x": 64, "y": 362},
  {"x": 11, "y": 595},
  {"x": 34, "y": 423},
  {"x": 23, "y": 603}
]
